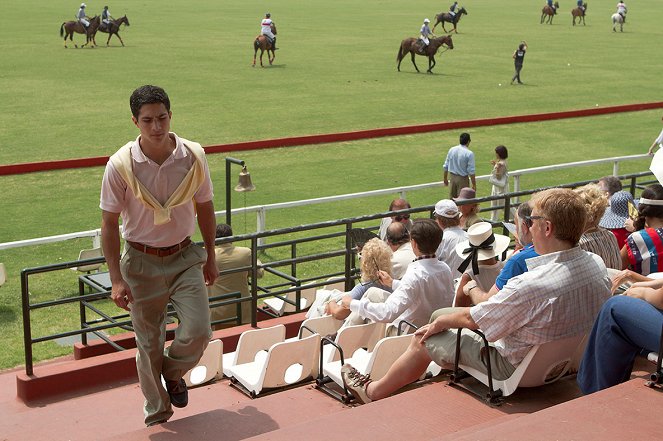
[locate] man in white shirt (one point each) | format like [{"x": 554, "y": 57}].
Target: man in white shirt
[
  {"x": 398, "y": 239},
  {"x": 425, "y": 287},
  {"x": 266, "y": 29},
  {"x": 558, "y": 297},
  {"x": 447, "y": 216},
  {"x": 658, "y": 141}
]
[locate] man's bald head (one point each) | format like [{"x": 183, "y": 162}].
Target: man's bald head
[{"x": 397, "y": 234}]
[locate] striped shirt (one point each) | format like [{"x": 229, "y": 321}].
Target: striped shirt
[
  {"x": 604, "y": 244},
  {"x": 644, "y": 248},
  {"x": 559, "y": 297}
]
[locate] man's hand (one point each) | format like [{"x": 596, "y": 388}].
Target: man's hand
[
  {"x": 121, "y": 294},
  {"x": 446, "y": 182},
  {"x": 385, "y": 279},
  {"x": 345, "y": 301},
  {"x": 210, "y": 272},
  {"x": 430, "y": 329}
]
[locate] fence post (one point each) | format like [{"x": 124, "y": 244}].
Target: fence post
[
  {"x": 615, "y": 168},
  {"x": 516, "y": 187},
  {"x": 254, "y": 282},
  {"x": 260, "y": 223}
]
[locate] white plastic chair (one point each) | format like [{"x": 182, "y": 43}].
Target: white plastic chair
[
  {"x": 252, "y": 346},
  {"x": 543, "y": 364},
  {"x": 285, "y": 363},
  {"x": 209, "y": 367},
  {"x": 89, "y": 254},
  {"x": 325, "y": 325},
  {"x": 3, "y": 274},
  {"x": 280, "y": 306}
]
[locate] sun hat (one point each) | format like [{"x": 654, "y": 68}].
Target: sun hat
[
  {"x": 466, "y": 193},
  {"x": 426, "y": 20},
  {"x": 617, "y": 213},
  {"x": 481, "y": 244},
  {"x": 447, "y": 208}
]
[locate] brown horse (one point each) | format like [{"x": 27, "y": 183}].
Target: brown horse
[
  {"x": 548, "y": 13},
  {"x": 68, "y": 28},
  {"x": 580, "y": 13},
  {"x": 412, "y": 46},
  {"x": 112, "y": 28},
  {"x": 445, "y": 16},
  {"x": 262, "y": 42}
]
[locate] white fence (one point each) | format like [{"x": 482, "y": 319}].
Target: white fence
[{"x": 261, "y": 210}]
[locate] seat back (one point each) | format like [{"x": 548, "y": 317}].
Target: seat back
[
  {"x": 385, "y": 353},
  {"x": 549, "y": 361},
  {"x": 325, "y": 325},
  {"x": 352, "y": 338},
  {"x": 209, "y": 366},
  {"x": 89, "y": 254},
  {"x": 291, "y": 361},
  {"x": 306, "y": 299},
  {"x": 255, "y": 340},
  {"x": 3, "y": 274}
]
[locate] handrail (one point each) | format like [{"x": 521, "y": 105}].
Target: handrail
[{"x": 261, "y": 210}]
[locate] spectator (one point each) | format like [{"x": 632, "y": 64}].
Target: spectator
[
  {"x": 595, "y": 239},
  {"x": 375, "y": 256},
  {"x": 396, "y": 204},
  {"x": 610, "y": 184},
  {"x": 447, "y": 217},
  {"x": 558, "y": 297},
  {"x": 468, "y": 212},
  {"x": 615, "y": 216},
  {"x": 643, "y": 252},
  {"x": 625, "y": 327},
  {"x": 658, "y": 141},
  {"x": 426, "y": 286},
  {"x": 460, "y": 164},
  {"x": 398, "y": 239},
  {"x": 228, "y": 257},
  {"x": 499, "y": 178},
  {"x": 484, "y": 246}
]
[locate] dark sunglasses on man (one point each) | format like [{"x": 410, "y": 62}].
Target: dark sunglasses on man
[{"x": 401, "y": 217}]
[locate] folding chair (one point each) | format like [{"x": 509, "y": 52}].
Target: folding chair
[
  {"x": 285, "y": 364},
  {"x": 252, "y": 346},
  {"x": 656, "y": 378},
  {"x": 209, "y": 367},
  {"x": 89, "y": 254},
  {"x": 543, "y": 364},
  {"x": 279, "y": 306}
]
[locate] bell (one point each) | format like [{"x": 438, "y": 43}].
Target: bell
[{"x": 244, "y": 183}]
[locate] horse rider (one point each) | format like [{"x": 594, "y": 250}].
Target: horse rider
[
  {"x": 82, "y": 18},
  {"x": 581, "y": 6},
  {"x": 621, "y": 10},
  {"x": 424, "y": 33},
  {"x": 106, "y": 17},
  {"x": 551, "y": 5},
  {"x": 452, "y": 10},
  {"x": 266, "y": 29}
]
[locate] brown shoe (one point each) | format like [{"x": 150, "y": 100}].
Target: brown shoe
[
  {"x": 356, "y": 383},
  {"x": 179, "y": 395}
]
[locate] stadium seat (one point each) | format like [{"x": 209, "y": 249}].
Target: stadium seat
[
  {"x": 280, "y": 306},
  {"x": 252, "y": 346},
  {"x": 543, "y": 364},
  {"x": 89, "y": 254},
  {"x": 209, "y": 367}
]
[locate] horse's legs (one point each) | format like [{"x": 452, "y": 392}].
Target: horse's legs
[
  {"x": 542, "y": 15},
  {"x": 109, "y": 37},
  {"x": 118, "y": 36},
  {"x": 262, "y": 51},
  {"x": 415, "y": 64},
  {"x": 271, "y": 59}
]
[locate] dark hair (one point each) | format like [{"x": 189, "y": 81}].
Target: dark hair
[
  {"x": 148, "y": 95},
  {"x": 612, "y": 184},
  {"x": 502, "y": 152},
  {"x": 399, "y": 203},
  {"x": 654, "y": 191},
  {"x": 426, "y": 234},
  {"x": 397, "y": 233},
  {"x": 223, "y": 230},
  {"x": 524, "y": 210},
  {"x": 521, "y": 46},
  {"x": 464, "y": 138}
]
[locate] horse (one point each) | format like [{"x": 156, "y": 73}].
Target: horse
[
  {"x": 616, "y": 18},
  {"x": 262, "y": 42},
  {"x": 549, "y": 12},
  {"x": 68, "y": 28},
  {"x": 112, "y": 28},
  {"x": 577, "y": 12},
  {"x": 411, "y": 45},
  {"x": 445, "y": 16}
]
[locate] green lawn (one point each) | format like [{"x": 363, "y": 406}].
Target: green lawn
[{"x": 330, "y": 75}]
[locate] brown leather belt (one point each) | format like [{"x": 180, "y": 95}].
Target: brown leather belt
[{"x": 161, "y": 252}]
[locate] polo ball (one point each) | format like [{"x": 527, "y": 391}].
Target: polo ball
[{"x": 500, "y": 84}]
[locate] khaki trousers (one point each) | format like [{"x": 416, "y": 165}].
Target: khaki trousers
[
  {"x": 442, "y": 349},
  {"x": 154, "y": 281},
  {"x": 456, "y": 183}
]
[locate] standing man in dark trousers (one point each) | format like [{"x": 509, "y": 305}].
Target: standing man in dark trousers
[
  {"x": 460, "y": 164},
  {"x": 157, "y": 184},
  {"x": 519, "y": 58}
]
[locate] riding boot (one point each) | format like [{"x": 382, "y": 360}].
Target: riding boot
[{"x": 274, "y": 48}]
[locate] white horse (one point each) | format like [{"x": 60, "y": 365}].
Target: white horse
[{"x": 616, "y": 18}]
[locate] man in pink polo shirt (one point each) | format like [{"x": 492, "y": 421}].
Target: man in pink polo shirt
[{"x": 153, "y": 183}]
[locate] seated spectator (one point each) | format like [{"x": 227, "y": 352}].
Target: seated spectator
[
  {"x": 625, "y": 326},
  {"x": 610, "y": 185},
  {"x": 643, "y": 252},
  {"x": 396, "y": 204},
  {"x": 595, "y": 239},
  {"x": 447, "y": 217},
  {"x": 375, "y": 256},
  {"x": 229, "y": 257},
  {"x": 469, "y": 213},
  {"x": 398, "y": 239},
  {"x": 615, "y": 216},
  {"x": 426, "y": 286},
  {"x": 558, "y": 297},
  {"x": 480, "y": 252}
]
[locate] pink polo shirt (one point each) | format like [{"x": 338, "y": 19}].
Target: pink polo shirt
[{"x": 162, "y": 181}]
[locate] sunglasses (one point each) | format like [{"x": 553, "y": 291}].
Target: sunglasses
[
  {"x": 401, "y": 217},
  {"x": 529, "y": 220}
]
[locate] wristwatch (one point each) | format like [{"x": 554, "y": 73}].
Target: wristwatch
[{"x": 469, "y": 286}]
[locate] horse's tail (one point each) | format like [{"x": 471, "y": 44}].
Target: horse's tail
[
  {"x": 62, "y": 29},
  {"x": 399, "y": 55}
]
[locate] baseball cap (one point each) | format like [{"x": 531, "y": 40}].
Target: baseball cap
[{"x": 447, "y": 208}]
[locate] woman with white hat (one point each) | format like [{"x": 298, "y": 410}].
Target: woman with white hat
[{"x": 480, "y": 262}]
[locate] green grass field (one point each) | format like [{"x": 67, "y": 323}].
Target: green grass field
[{"x": 335, "y": 71}]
